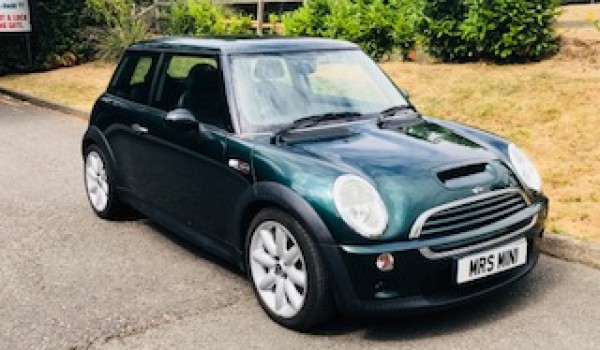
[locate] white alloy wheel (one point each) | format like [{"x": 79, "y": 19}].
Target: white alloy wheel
[
  {"x": 278, "y": 269},
  {"x": 96, "y": 181}
]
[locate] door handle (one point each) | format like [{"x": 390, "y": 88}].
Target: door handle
[{"x": 138, "y": 129}]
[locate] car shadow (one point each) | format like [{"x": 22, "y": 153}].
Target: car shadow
[
  {"x": 487, "y": 309},
  {"x": 192, "y": 248}
]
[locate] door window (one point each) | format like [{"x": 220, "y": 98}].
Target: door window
[
  {"x": 195, "y": 83},
  {"x": 133, "y": 80}
]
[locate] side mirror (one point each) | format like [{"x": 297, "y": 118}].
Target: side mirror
[{"x": 180, "y": 119}]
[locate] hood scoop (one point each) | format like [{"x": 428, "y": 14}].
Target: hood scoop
[{"x": 466, "y": 175}]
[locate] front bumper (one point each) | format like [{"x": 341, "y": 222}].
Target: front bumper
[{"x": 419, "y": 281}]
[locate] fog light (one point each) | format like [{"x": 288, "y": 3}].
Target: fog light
[{"x": 385, "y": 262}]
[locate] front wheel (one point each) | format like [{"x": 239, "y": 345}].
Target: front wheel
[{"x": 287, "y": 271}]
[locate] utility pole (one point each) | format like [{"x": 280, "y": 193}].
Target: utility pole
[{"x": 260, "y": 14}]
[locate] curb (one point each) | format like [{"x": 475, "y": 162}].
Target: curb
[
  {"x": 571, "y": 249},
  {"x": 45, "y": 103},
  {"x": 558, "y": 246}
]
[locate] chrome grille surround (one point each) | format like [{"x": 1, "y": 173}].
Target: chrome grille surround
[{"x": 510, "y": 194}]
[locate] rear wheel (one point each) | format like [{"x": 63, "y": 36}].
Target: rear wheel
[
  {"x": 100, "y": 185},
  {"x": 287, "y": 271}
]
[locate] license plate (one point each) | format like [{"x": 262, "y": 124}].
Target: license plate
[{"x": 490, "y": 262}]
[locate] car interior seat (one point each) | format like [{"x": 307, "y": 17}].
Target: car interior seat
[{"x": 204, "y": 95}]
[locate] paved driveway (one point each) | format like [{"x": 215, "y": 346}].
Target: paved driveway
[{"x": 70, "y": 280}]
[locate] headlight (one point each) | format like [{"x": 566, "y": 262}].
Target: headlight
[
  {"x": 360, "y": 205},
  {"x": 524, "y": 168}
]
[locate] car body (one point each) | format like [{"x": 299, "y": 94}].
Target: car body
[{"x": 300, "y": 161}]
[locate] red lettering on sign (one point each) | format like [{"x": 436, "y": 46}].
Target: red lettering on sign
[
  {"x": 1, "y": 17},
  {"x": 3, "y": 25},
  {"x": 8, "y": 18}
]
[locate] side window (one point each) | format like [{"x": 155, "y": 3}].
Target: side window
[
  {"x": 196, "y": 83},
  {"x": 133, "y": 79}
]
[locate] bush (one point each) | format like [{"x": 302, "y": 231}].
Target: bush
[
  {"x": 201, "y": 17},
  {"x": 440, "y": 28},
  {"x": 500, "y": 30},
  {"x": 377, "y": 26},
  {"x": 57, "y": 39},
  {"x": 119, "y": 27}
]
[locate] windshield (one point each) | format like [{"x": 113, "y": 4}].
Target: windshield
[{"x": 274, "y": 90}]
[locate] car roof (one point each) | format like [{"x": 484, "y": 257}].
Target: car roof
[{"x": 241, "y": 44}]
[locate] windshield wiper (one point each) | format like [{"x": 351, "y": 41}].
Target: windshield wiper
[
  {"x": 392, "y": 111},
  {"x": 401, "y": 113},
  {"x": 312, "y": 120}
]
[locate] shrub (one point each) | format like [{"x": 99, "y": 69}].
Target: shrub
[
  {"x": 378, "y": 26},
  {"x": 119, "y": 27},
  {"x": 500, "y": 30},
  {"x": 57, "y": 39},
  {"x": 201, "y": 17},
  {"x": 440, "y": 31}
]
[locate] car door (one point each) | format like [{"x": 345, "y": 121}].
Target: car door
[
  {"x": 186, "y": 174},
  {"x": 125, "y": 108}
]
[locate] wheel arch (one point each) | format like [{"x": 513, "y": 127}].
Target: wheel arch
[
  {"x": 271, "y": 194},
  {"x": 94, "y": 136}
]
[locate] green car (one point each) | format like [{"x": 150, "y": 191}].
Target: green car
[{"x": 301, "y": 162}]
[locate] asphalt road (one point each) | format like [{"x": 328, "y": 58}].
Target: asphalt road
[{"x": 70, "y": 280}]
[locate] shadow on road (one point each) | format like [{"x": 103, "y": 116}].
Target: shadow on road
[
  {"x": 487, "y": 309},
  {"x": 193, "y": 249}
]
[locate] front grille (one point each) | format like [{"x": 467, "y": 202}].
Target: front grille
[{"x": 471, "y": 214}]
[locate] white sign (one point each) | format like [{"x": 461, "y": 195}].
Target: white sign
[{"x": 14, "y": 16}]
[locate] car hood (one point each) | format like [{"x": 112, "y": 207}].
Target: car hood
[
  {"x": 414, "y": 167},
  {"x": 417, "y": 148}
]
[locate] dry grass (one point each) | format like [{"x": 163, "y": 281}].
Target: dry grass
[
  {"x": 575, "y": 22},
  {"x": 579, "y": 12},
  {"x": 551, "y": 109},
  {"x": 75, "y": 86}
]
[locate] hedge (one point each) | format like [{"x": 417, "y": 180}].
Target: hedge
[
  {"x": 491, "y": 30},
  {"x": 58, "y": 37},
  {"x": 378, "y": 26}
]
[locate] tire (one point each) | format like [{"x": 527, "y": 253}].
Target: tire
[
  {"x": 100, "y": 185},
  {"x": 287, "y": 272}
]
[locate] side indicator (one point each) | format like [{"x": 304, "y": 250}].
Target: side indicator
[{"x": 239, "y": 165}]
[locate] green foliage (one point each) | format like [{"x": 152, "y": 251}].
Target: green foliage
[
  {"x": 378, "y": 26},
  {"x": 119, "y": 27},
  {"x": 440, "y": 28},
  {"x": 58, "y": 38},
  {"x": 201, "y": 17},
  {"x": 499, "y": 30}
]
